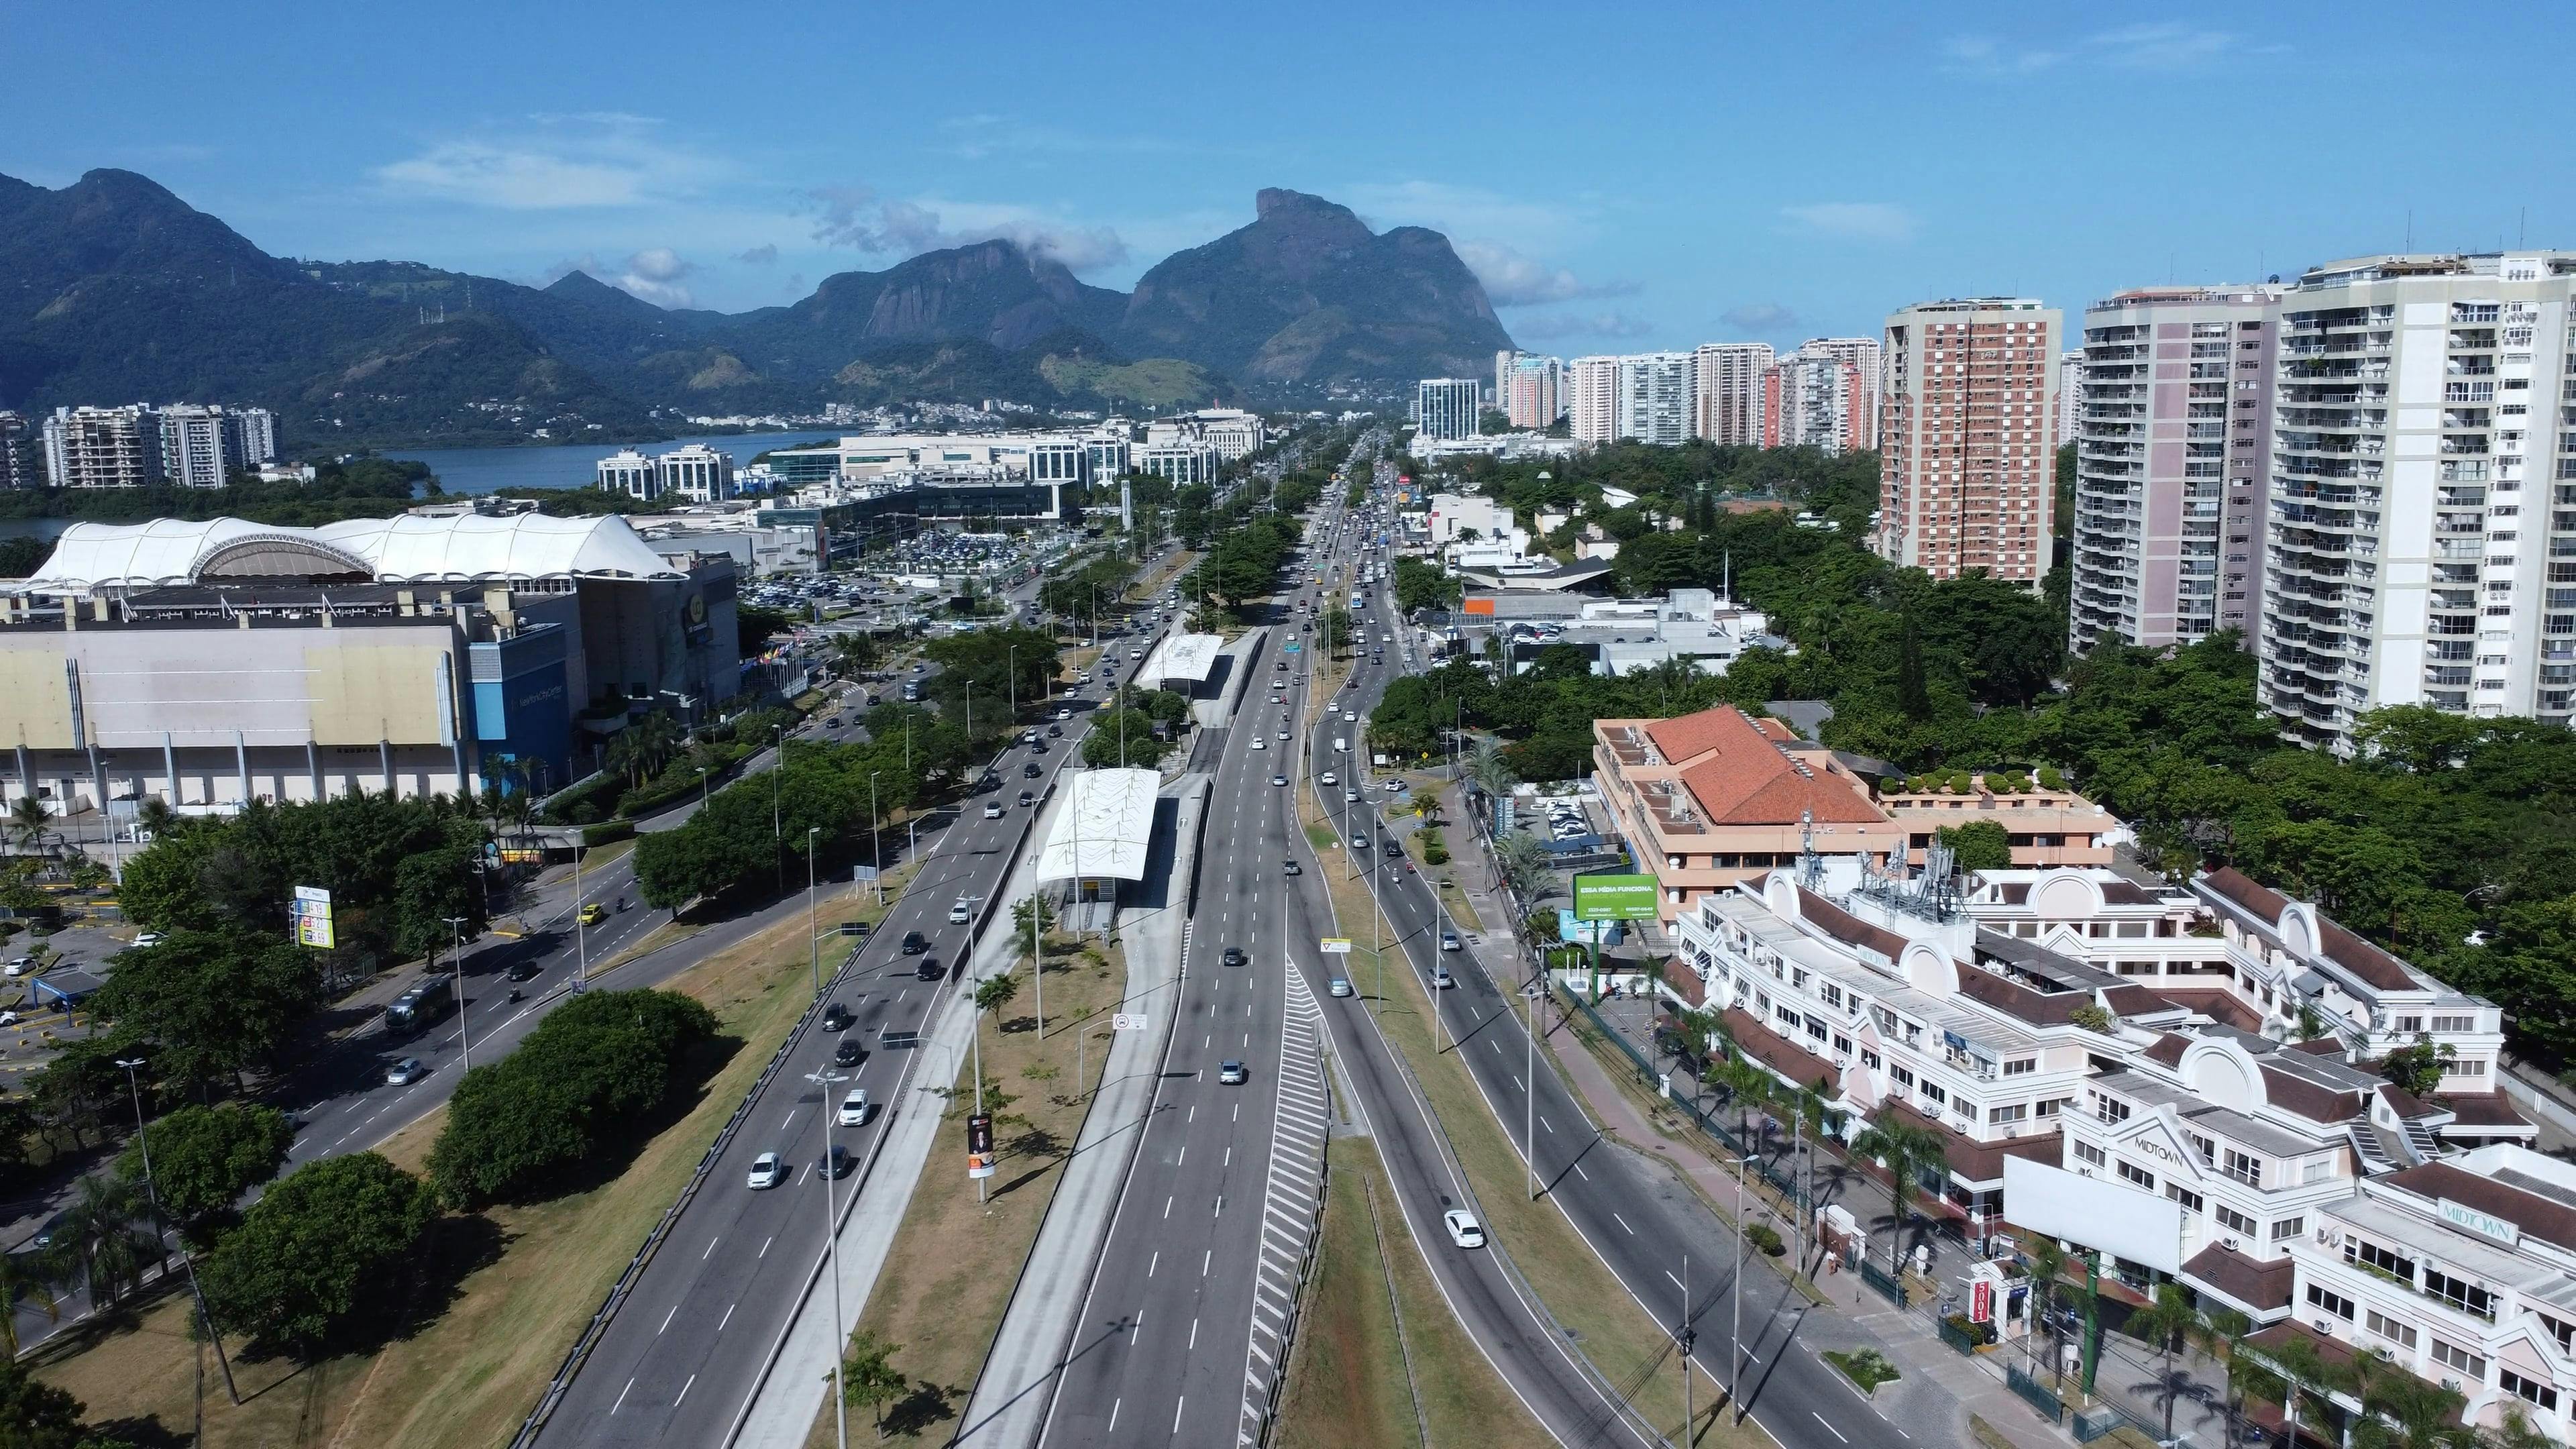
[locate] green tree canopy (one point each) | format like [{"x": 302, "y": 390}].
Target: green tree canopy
[
  {"x": 322, "y": 1259},
  {"x": 205, "y": 1158},
  {"x": 1978, "y": 845}
]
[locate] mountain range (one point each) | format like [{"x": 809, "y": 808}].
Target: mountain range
[{"x": 112, "y": 290}]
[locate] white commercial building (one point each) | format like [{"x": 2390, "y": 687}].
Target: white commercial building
[
  {"x": 1447, "y": 407},
  {"x": 698, "y": 471},
  {"x": 1654, "y": 398},
  {"x": 2411, "y": 554},
  {"x": 1593, "y": 407}
]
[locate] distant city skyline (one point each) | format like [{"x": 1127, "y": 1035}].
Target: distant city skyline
[{"x": 509, "y": 144}]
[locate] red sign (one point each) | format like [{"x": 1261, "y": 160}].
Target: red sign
[{"x": 1981, "y": 1302}]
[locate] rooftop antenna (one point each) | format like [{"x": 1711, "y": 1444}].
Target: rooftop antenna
[{"x": 1811, "y": 866}]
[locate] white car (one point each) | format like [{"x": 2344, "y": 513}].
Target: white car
[
  {"x": 148, "y": 938},
  {"x": 1449, "y": 941},
  {"x": 767, "y": 1171},
  {"x": 961, "y": 911},
  {"x": 19, "y": 966},
  {"x": 1351, "y": 797},
  {"x": 854, "y": 1108},
  {"x": 1328, "y": 778},
  {"x": 405, "y": 1072},
  {"x": 1463, "y": 1228},
  {"x": 1278, "y": 779},
  {"x": 1283, "y": 734},
  {"x": 992, "y": 809},
  {"x": 1259, "y": 743}
]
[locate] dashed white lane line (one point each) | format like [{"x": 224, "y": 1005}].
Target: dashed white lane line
[
  {"x": 1623, "y": 1222},
  {"x": 621, "y": 1397},
  {"x": 1821, "y": 1419}
]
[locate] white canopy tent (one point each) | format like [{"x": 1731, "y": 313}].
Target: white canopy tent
[{"x": 1105, "y": 827}]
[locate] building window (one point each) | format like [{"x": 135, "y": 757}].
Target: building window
[
  {"x": 2392, "y": 1330},
  {"x": 2109, "y": 1108},
  {"x": 1932, "y": 1092},
  {"x": 1904, "y": 1077},
  {"x": 2460, "y": 1294},
  {"x": 2244, "y": 1167},
  {"x": 2288, "y": 1228},
  {"x": 2331, "y": 1302},
  {"x": 2387, "y": 1260},
  {"x": 2191, "y": 1201},
  {"x": 2052, "y": 1106},
  {"x": 2137, "y": 1176},
  {"x": 2451, "y": 1356},
  {"x": 2234, "y": 1221},
  {"x": 2207, "y": 1149},
  {"x": 2020, "y": 1066},
  {"x": 2014, "y": 1113},
  {"x": 2088, "y": 1153},
  {"x": 2455, "y": 1023},
  {"x": 1869, "y": 1059},
  {"x": 2523, "y": 1388}
]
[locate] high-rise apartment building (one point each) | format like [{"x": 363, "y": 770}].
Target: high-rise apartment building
[
  {"x": 91, "y": 447},
  {"x": 1533, "y": 392},
  {"x": 1654, "y": 398},
  {"x": 1864, "y": 354},
  {"x": 1726, "y": 391},
  {"x": 250, "y": 437},
  {"x": 1965, "y": 476},
  {"x": 1448, "y": 407},
  {"x": 21, "y": 464},
  {"x": 192, "y": 446},
  {"x": 2421, "y": 534},
  {"x": 2172, "y": 440},
  {"x": 1814, "y": 401},
  {"x": 2070, "y": 395},
  {"x": 1594, "y": 406},
  {"x": 1504, "y": 361}
]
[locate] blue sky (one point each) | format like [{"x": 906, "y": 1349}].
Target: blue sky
[{"x": 1621, "y": 176}]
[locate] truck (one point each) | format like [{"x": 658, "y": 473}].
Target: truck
[{"x": 419, "y": 1008}]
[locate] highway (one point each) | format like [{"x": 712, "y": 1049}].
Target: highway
[
  {"x": 1635, "y": 1219},
  {"x": 689, "y": 1343}
]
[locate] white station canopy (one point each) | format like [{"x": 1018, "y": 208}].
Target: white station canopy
[
  {"x": 1182, "y": 656},
  {"x": 407, "y": 548},
  {"x": 1105, "y": 827}
]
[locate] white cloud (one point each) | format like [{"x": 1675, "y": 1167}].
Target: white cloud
[
  {"x": 552, "y": 163},
  {"x": 653, "y": 274},
  {"x": 1984, "y": 55},
  {"x": 1514, "y": 280},
  {"x": 1466, "y": 211},
  {"x": 1765, "y": 317},
  {"x": 764, "y": 255},
  {"x": 856, "y": 217},
  {"x": 1882, "y": 221},
  {"x": 2157, "y": 46},
  {"x": 1597, "y": 324}
]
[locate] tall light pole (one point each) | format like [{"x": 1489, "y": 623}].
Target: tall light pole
[
  {"x": 876, "y": 839},
  {"x": 703, "y": 789},
  {"x": 1529, "y": 1074},
  {"x": 777, "y": 835},
  {"x": 580, "y": 930},
  {"x": 826, "y": 1078},
  {"x": 816, "y": 948},
  {"x": 205, "y": 1320},
  {"x": 456, "y": 969},
  {"x": 1011, "y": 669}
]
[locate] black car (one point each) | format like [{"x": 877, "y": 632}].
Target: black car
[
  {"x": 1039, "y": 747},
  {"x": 849, "y": 1053},
  {"x": 836, "y": 1163},
  {"x": 914, "y": 943},
  {"x": 1233, "y": 956},
  {"x": 1055, "y": 731},
  {"x": 1032, "y": 770},
  {"x": 521, "y": 971},
  {"x": 1281, "y": 666},
  {"x": 928, "y": 970},
  {"x": 836, "y": 1017}
]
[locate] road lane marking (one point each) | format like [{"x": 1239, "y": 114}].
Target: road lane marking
[
  {"x": 1623, "y": 1222},
  {"x": 1167, "y": 1207},
  {"x": 666, "y": 1321},
  {"x": 684, "y": 1391},
  {"x": 1204, "y": 1260},
  {"x": 728, "y": 1318},
  {"x": 1176, "y": 1413},
  {"x": 621, "y": 1397},
  {"x": 764, "y": 1246},
  {"x": 711, "y": 1248},
  {"x": 1829, "y": 1428},
  {"x": 1113, "y": 1413}
]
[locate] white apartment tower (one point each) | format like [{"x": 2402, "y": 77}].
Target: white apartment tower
[
  {"x": 1594, "y": 405},
  {"x": 2070, "y": 394},
  {"x": 2171, "y": 454},
  {"x": 1533, "y": 394},
  {"x": 1654, "y": 398},
  {"x": 1815, "y": 401},
  {"x": 631, "y": 473},
  {"x": 1448, "y": 407},
  {"x": 192, "y": 445},
  {"x": 103, "y": 447},
  {"x": 2413, "y": 422},
  {"x": 1726, "y": 391},
  {"x": 1864, "y": 354},
  {"x": 1965, "y": 473}
]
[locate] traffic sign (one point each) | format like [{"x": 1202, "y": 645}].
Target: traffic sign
[
  {"x": 1128, "y": 1021},
  {"x": 1337, "y": 945}
]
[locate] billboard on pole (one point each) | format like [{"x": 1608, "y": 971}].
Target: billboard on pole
[
  {"x": 979, "y": 1145},
  {"x": 311, "y": 912},
  {"x": 1614, "y": 897}
]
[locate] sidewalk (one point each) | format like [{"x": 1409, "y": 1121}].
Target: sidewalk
[{"x": 1009, "y": 1405}]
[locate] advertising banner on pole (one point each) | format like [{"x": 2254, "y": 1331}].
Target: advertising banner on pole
[
  {"x": 311, "y": 912},
  {"x": 1614, "y": 897},
  {"x": 1337, "y": 945},
  {"x": 979, "y": 1145}
]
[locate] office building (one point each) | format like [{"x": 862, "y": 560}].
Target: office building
[
  {"x": 92, "y": 447},
  {"x": 1653, "y": 401},
  {"x": 1447, "y": 407},
  {"x": 631, "y": 473},
  {"x": 1533, "y": 392},
  {"x": 1810, "y": 400},
  {"x": 1865, "y": 356},
  {"x": 1727, "y": 391},
  {"x": 1593, "y": 408},
  {"x": 1966, "y": 478},
  {"x": 697, "y": 472},
  {"x": 2175, "y": 387},
  {"x": 2411, "y": 554}
]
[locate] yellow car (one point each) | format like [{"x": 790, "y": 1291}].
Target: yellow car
[{"x": 593, "y": 914}]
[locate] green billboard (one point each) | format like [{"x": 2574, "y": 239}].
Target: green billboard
[{"x": 1614, "y": 897}]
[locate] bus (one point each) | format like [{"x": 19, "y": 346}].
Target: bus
[{"x": 419, "y": 1008}]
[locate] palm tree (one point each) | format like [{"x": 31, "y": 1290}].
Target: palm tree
[
  {"x": 2291, "y": 1370},
  {"x": 2222, "y": 1331},
  {"x": 2408, "y": 1413},
  {"x": 1905, "y": 1150},
  {"x": 29, "y": 820},
  {"x": 1486, "y": 768},
  {"x": 106, "y": 1232},
  {"x": 2047, "y": 1272},
  {"x": 2163, "y": 1324},
  {"x": 24, "y": 1278},
  {"x": 155, "y": 817},
  {"x": 1524, "y": 866}
]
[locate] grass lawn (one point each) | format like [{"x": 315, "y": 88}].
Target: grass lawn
[
  {"x": 468, "y": 1377},
  {"x": 1378, "y": 1353},
  {"x": 947, "y": 1279},
  {"x": 1627, "y": 1346}
]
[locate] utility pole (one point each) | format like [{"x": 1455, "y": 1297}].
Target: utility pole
[
  {"x": 1037, "y": 962},
  {"x": 1529, "y": 1089},
  {"x": 456, "y": 968},
  {"x": 1735, "y": 1359},
  {"x": 1798, "y": 1201},
  {"x": 205, "y": 1320},
  {"x": 777, "y": 831},
  {"x": 979, "y": 1080},
  {"x": 1685, "y": 1335},
  {"x": 826, "y": 1078},
  {"x": 815, "y": 942},
  {"x": 876, "y": 839},
  {"x": 580, "y": 931}
]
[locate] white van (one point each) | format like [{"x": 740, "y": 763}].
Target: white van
[{"x": 1341, "y": 746}]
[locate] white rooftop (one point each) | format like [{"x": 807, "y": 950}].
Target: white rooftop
[
  {"x": 1183, "y": 656},
  {"x": 410, "y": 548},
  {"x": 1104, "y": 827}
]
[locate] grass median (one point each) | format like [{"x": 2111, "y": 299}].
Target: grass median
[
  {"x": 1627, "y": 1346},
  {"x": 1379, "y": 1357},
  {"x": 467, "y": 1377},
  {"x": 940, "y": 1298}
]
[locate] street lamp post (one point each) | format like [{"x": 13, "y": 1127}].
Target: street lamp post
[
  {"x": 812, "y": 831},
  {"x": 876, "y": 839},
  {"x": 580, "y": 931},
  {"x": 205, "y": 1320},
  {"x": 703, "y": 788},
  {"x": 826, "y": 1078},
  {"x": 456, "y": 967},
  {"x": 777, "y": 835}
]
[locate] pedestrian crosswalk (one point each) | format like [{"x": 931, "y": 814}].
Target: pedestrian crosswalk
[{"x": 1291, "y": 1203}]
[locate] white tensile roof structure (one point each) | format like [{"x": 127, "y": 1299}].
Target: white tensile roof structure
[
  {"x": 1182, "y": 656},
  {"x": 1105, "y": 828},
  {"x": 410, "y": 548}
]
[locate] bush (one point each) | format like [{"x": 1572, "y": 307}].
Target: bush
[
  {"x": 1976, "y": 1332},
  {"x": 608, "y": 832},
  {"x": 324, "y": 1256},
  {"x": 593, "y": 1073},
  {"x": 1765, "y": 1237}
]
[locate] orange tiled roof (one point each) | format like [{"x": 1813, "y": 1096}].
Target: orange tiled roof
[{"x": 1739, "y": 776}]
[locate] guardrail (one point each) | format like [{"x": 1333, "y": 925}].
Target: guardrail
[{"x": 1296, "y": 1305}]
